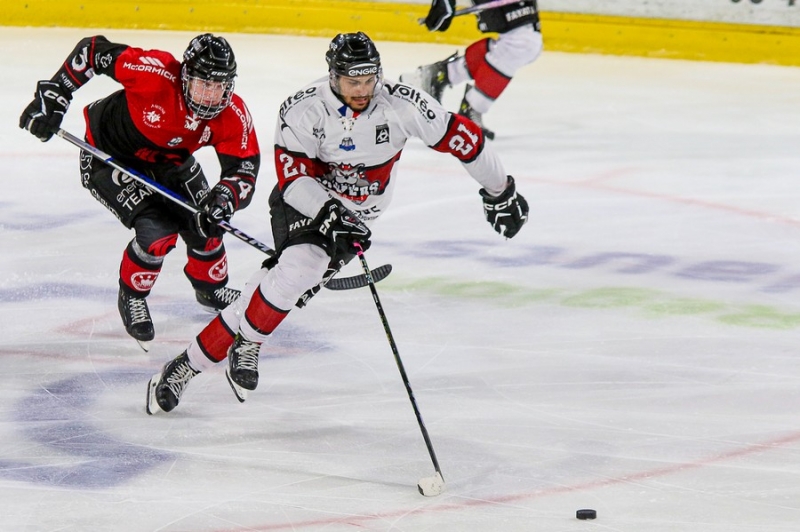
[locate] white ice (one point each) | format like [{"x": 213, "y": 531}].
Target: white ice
[{"x": 634, "y": 350}]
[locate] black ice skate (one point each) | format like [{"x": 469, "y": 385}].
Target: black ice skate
[
  {"x": 216, "y": 300},
  {"x": 466, "y": 109},
  {"x": 242, "y": 370},
  {"x": 136, "y": 318},
  {"x": 433, "y": 78},
  {"x": 165, "y": 389}
]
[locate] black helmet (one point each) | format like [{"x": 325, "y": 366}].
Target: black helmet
[
  {"x": 208, "y": 58},
  {"x": 353, "y": 54}
]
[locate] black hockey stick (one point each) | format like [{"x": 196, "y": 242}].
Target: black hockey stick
[
  {"x": 334, "y": 284},
  {"x": 428, "y": 486},
  {"x": 478, "y": 8}
]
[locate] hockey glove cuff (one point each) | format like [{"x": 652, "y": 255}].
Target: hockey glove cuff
[
  {"x": 506, "y": 213},
  {"x": 44, "y": 114}
]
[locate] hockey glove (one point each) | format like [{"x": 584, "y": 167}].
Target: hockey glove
[
  {"x": 44, "y": 114},
  {"x": 342, "y": 227},
  {"x": 440, "y": 15},
  {"x": 506, "y": 213},
  {"x": 218, "y": 207}
]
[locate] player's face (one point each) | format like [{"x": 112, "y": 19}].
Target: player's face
[
  {"x": 207, "y": 93},
  {"x": 357, "y": 92}
]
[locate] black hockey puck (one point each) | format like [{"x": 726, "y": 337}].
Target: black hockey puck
[{"x": 586, "y": 514}]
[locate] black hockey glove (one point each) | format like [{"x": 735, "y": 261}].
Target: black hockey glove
[
  {"x": 218, "y": 207},
  {"x": 506, "y": 213},
  {"x": 440, "y": 15},
  {"x": 44, "y": 114},
  {"x": 342, "y": 227}
]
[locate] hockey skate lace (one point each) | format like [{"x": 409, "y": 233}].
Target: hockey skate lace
[
  {"x": 247, "y": 356},
  {"x": 226, "y": 295},
  {"x": 179, "y": 378},
  {"x": 138, "y": 310}
]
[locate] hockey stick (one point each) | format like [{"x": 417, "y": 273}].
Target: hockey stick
[
  {"x": 477, "y": 9},
  {"x": 334, "y": 284},
  {"x": 428, "y": 486},
  {"x": 157, "y": 187}
]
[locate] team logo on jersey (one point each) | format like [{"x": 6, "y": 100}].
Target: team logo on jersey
[
  {"x": 350, "y": 181},
  {"x": 192, "y": 123},
  {"x": 174, "y": 142},
  {"x": 347, "y": 144},
  {"x": 105, "y": 60},
  {"x": 319, "y": 133},
  {"x": 152, "y": 116},
  {"x": 382, "y": 134}
]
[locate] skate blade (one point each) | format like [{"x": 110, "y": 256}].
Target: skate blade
[
  {"x": 144, "y": 345},
  {"x": 238, "y": 391},
  {"x": 152, "y": 404}
]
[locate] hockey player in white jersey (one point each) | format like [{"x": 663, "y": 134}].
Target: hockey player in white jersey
[{"x": 337, "y": 143}]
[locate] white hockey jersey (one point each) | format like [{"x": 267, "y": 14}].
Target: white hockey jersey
[{"x": 323, "y": 149}]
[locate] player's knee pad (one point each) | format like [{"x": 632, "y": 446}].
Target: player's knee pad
[
  {"x": 300, "y": 267},
  {"x": 515, "y": 49},
  {"x": 155, "y": 235},
  {"x": 488, "y": 79}
]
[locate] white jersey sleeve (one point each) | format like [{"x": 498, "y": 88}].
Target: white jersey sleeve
[{"x": 423, "y": 117}]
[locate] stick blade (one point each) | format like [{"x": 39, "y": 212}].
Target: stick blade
[
  {"x": 431, "y": 486},
  {"x": 359, "y": 281}
]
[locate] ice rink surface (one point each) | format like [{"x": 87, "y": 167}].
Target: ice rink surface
[{"x": 634, "y": 350}]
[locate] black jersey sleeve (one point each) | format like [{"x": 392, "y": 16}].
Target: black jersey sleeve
[{"x": 92, "y": 55}]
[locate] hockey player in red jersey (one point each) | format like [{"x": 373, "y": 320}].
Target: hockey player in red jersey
[
  {"x": 166, "y": 110},
  {"x": 337, "y": 143},
  {"x": 489, "y": 63}
]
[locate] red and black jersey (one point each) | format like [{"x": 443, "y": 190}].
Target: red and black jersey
[{"x": 147, "y": 123}]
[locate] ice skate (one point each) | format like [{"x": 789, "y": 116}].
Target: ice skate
[
  {"x": 432, "y": 78},
  {"x": 466, "y": 109},
  {"x": 165, "y": 389},
  {"x": 216, "y": 300},
  {"x": 242, "y": 370},
  {"x": 136, "y": 318}
]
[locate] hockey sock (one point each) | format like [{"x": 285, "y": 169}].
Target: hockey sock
[{"x": 207, "y": 271}]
